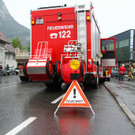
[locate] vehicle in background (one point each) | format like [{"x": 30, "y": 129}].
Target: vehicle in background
[
  {"x": 126, "y": 72},
  {"x": 9, "y": 71},
  {"x": 21, "y": 60},
  {"x": 4, "y": 72},
  {"x": 114, "y": 72},
  {"x": 12, "y": 71},
  {"x": 17, "y": 70},
  {"x": 1, "y": 70}
]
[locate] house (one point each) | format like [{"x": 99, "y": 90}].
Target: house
[
  {"x": 10, "y": 56},
  {"x": 7, "y": 53},
  {"x": 3, "y": 41}
]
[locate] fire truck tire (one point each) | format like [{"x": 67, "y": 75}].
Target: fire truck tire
[
  {"x": 82, "y": 70},
  {"x": 96, "y": 80},
  {"x": 57, "y": 68},
  {"x": 49, "y": 68},
  {"x": 24, "y": 68},
  {"x": 108, "y": 79},
  {"x": 55, "y": 84},
  {"x": 49, "y": 85},
  {"x": 102, "y": 80},
  {"x": 86, "y": 82},
  {"x": 24, "y": 78}
]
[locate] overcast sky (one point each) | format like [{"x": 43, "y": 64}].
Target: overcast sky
[{"x": 113, "y": 16}]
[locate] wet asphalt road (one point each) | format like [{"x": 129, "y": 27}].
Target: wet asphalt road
[{"x": 20, "y": 101}]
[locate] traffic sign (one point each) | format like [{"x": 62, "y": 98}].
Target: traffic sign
[{"x": 74, "y": 97}]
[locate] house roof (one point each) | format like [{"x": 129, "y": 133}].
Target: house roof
[
  {"x": 9, "y": 48},
  {"x": 3, "y": 38}
]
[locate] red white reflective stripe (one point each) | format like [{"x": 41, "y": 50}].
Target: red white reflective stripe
[
  {"x": 39, "y": 64},
  {"x": 43, "y": 60}
]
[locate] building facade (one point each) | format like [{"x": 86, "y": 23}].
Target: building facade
[
  {"x": 3, "y": 41},
  {"x": 10, "y": 56},
  {"x": 125, "y": 47},
  {"x": 7, "y": 53}
]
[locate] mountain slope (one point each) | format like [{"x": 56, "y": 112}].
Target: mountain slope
[{"x": 11, "y": 28}]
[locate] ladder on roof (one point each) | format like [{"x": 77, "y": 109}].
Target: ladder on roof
[{"x": 81, "y": 27}]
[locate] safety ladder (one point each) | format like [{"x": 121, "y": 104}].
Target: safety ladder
[
  {"x": 81, "y": 27},
  {"x": 42, "y": 49}
]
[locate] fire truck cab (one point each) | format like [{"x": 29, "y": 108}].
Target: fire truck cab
[{"x": 66, "y": 46}]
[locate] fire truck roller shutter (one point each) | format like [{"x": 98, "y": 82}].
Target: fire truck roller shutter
[
  {"x": 108, "y": 58},
  {"x": 49, "y": 68}
]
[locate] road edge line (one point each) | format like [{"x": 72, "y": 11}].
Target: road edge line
[
  {"x": 57, "y": 99},
  {"x": 123, "y": 107},
  {"x": 21, "y": 126}
]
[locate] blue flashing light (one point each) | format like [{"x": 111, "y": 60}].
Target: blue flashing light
[{"x": 30, "y": 11}]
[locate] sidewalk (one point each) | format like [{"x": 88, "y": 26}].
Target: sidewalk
[{"x": 124, "y": 94}]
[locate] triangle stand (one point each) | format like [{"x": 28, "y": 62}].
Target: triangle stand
[
  {"x": 74, "y": 97},
  {"x": 90, "y": 109}
]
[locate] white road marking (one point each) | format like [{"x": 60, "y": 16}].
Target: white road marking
[
  {"x": 8, "y": 87},
  {"x": 21, "y": 126},
  {"x": 58, "y": 99}
]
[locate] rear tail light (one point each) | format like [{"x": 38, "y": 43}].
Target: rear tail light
[
  {"x": 20, "y": 66},
  {"x": 107, "y": 72},
  {"x": 88, "y": 18},
  {"x": 90, "y": 64},
  {"x": 33, "y": 21}
]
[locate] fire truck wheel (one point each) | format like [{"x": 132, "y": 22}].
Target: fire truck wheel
[
  {"x": 49, "y": 68},
  {"x": 57, "y": 68},
  {"x": 96, "y": 80},
  {"x": 108, "y": 79},
  {"x": 82, "y": 70},
  {"x": 24, "y": 68},
  {"x": 102, "y": 80},
  {"x": 49, "y": 85},
  {"x": 56, "y": 83},
  {"x": 24, "y": 78},
  {"x": 86, "y": 82}
]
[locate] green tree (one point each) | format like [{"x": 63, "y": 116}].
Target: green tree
[
  {"x": 16, "y": 42},
  {"x": 28, "y": 47}
]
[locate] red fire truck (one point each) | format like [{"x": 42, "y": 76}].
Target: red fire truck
[{"x": 66, "y": 45}]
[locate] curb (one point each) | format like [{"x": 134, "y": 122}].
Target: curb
[{"x": 122, "y": 105}]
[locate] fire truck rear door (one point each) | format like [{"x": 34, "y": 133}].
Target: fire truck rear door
[
  {"x": 60, "y": 29},
  {"x": 108, "y": 52}
]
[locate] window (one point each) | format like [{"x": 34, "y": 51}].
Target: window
[
  {"x": 1, "y": 50},
  {"x": 108, "y": 44},
  {"x": 124, "y": 43},
  {"x": 117, "y": 44},
  {"x": 8, "y": 56}
]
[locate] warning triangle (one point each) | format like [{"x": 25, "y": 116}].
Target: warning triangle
[{"x": 74, "y": 97}]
